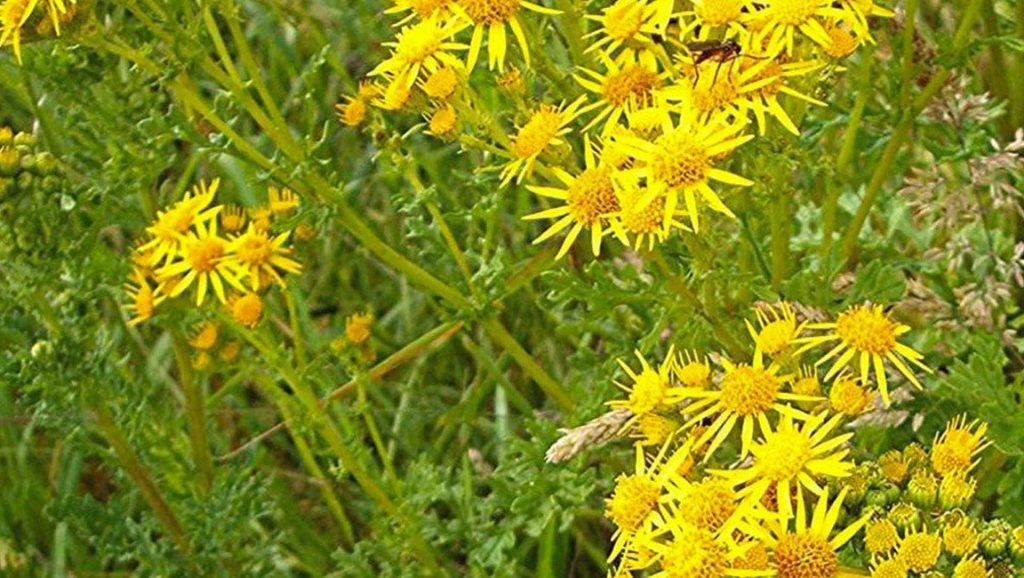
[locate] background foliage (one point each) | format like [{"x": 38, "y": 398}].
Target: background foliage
[{"x": 434, "y": 462}]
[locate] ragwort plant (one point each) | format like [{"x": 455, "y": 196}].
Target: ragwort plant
[{"x": 503, "y": 288}]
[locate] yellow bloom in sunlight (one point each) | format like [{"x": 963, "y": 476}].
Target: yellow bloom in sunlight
[
  {"x": 628, "y": 25},
  {"x": 793, "y": 458},
  {"x": 919, "y": 550},
  {"x": 441, "y": 83},
  {"x": 254, "y": 253},
  {"x": 955, "y": 449},
  {"x": 692, "y": 370},
  {"x": 888, "y": 568},
  {"x": 708, "y": 15},
  {"x": 708, "y": 505},
  {"x": 492, "y": 16},
  {"x": 808, "y": 550},
  {"x": 634, "y": 501},
  {"x": 203, "y": 259},
  {"x": 971, "y": 567},
  {"x": 205, "y": 335},
  {"x": 682, "y": 160},
  {"x": 866, "y": 332},
  {"x": 144, "y": 298},
  {"x": 847, "y": 397},
  {"x": 625, "y": 86},
  {"x": 352, "y": 112},
  {"x": 767, "y": 82},
  {"x": 281, "y": 201},
  {"x": 396, "y": 92},
  {"x": 423, "y": 46},
  {"x": 443, "y": 122},
  {"x": 169, "y": 230},
  {"x": 653, "y": 429},
  {"x": 651, "y": 390},
  {"x": 545, "y": 128},
  {"x": 232, "y": 219},
  {"x": 779, "y": 21},
  {"x": 778, "y": 329},
  {"x": 807, "y": 383},
  {"x": 589, "y": 200},
  {"x": 641, "y": 216},
  {"x": 960, "y": 539},
  {"x": 246, "y": 308},
  {"x": 843, "y": 42},
  {"x": 746, "y": 395},
  {"x": 357, "y": 327},
  {"x": 880, "y": 537}
]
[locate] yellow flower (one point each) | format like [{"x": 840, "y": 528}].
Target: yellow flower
[
  {"x": 847, "y": 397},
  {"x": 230, "y": 351},
  {"x": 545, "y": 128},
  {"x": 746, "y": 395},
  {"x": 626, "y": 86},
  {"x": 920, "y": 550},
  {"x": 866, "y": 332},
  {"x": 960, "y": 539},
  {"x": 205, "y": 336},
  {"x": 894, "y": 466},
  {"x": 765, "y": 80},
  {"x": 955, "y": 449},
  {"x": 778, "y": 329},
  {"x": 692, "y": 370},
  {"x": 357, "y": 327},
  {"x": 282, "y": 201},
  {"x": 807, "y": 383},
  {"x": 422, "y": 9},
  {"x": 794, "y": 458},
  {"x": 170, "y": 229},
  {"x": 842, "y": 42},
  {"x": 443, "y": 122},
  {"x": 653, "y": 429},
  {"x": 972, "y": 567},
  {"x": 635, "y": 498},
  {"x": 232, "y": 219},
  {"x": 352, "y": 112},
  {"x": 809, "y": 549},
  {"x": 888, "y": 568},
  {"x": 396, "y": 92},
  {"x": 651, "y": 390},
  {"x": 708, "y": 15},
  {"x": 589, "y": 199},
  {"x": 710, "y": 504},
  {"x": 629, "y": 25},
  {"x": 441, "y": 83},
  {"x": 779, "y": 20},
  {"x": 856, "y": 13},
  {"x": 203, "y": 259},
  {"x": 642, "y": 219},
  {"x": 144, "y": 298},
  {"x": 492, "y": 16},
  {"x": 880, "y": 537},
  {"x": 423, "y": 46},
  {"x": 254, "y": 253},
  {"x": 682, "y": 160},
  {"x": 956, "y": 490},
  {"x": 246, "y": 308}
]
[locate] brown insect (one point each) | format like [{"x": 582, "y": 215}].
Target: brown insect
[{"x": 721, "y": 51}]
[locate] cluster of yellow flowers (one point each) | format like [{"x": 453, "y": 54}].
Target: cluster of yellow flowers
[
  {"x": 36, "y": 17},
  {"x": 666, "y": 88},
  {"x": 919, "y": 501},
  {"x": 679, "y": 514},
  {"x": 196, "y": 244}
]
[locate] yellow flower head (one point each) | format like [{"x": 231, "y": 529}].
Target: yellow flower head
[
  {"x": 624, "y": 87},
  {"x": 443, "y": 122},
  {"x": 144, "y": 298},
  {"x": 651, "y": 390},
  {"x": 282, "y": 201},
  {"x": 847, "y": 397},
  {"x": 960, "y": 539},
  {"x": 794, "y": 457},
  {"x": 628, "y": 26},
  {"x": 681, "y": 161},
  {"x": 492, "y": 16},
  {"x": 692, "y": 370},
  {"x": 709, "y": 15},
  {"x": 956, "y": 490},
  {"x": 232, "y": 219},
  {"x": 169, "y": 231},
  {"x": 205, "y": 260},
  {"x": 920, "y": 550},
  {"x": 780, "y": 20},
  {"x": 589, "y": 198},
  {"x": 954, "y": 451},
  {"x": 778, "y": 329},
  {"x": 441, "y": 83},
  {"x": 422, "y": 9},
  {"x": 352, "y": 112},
  {"x": 807, "y": 383},
  {"x": 654, "y": 429},
  {"x": 880, "y": 537},
  {"x": 972, "y": 567},
  {"x": 544, "y": 128},
  {"x": 422, "y": 46},
  {"x": 15, "y": 15},
  {"x": 889, "y": 568},
  {"x": 246, "y": 308},
  {"x": 867, "y": 335},
  {"x": 205, "y": 335},
  {"x": 255, "y": 253},
  {"x": 358, "y": 327}
]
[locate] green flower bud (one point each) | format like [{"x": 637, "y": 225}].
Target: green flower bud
[
  {"x": 923, "y": 489},
  {"x": 26, "y": 182},
  {"x": 995, "y": 538},
  {"x": 856, "y": 489},
  {"x": 50, "y": 184},
  {"x": 6, "y": 187},
  {"x": 24, "y": 139},
  {"x": 47, "y": 164},
  {"x": 29, "y": 162},
  {"x": 956, "y": 491},
  {"x": 905, "y": 516}
]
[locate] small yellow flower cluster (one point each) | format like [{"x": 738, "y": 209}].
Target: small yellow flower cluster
[
  {"x": 918, "y": 499},
  {"x": 206, "y": 340},
  {"x": 17, "y": 15},
  {"x": 201, "y": 245},
  {"x": 675, "y": 85}
]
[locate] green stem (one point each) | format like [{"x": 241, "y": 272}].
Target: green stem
[
  {"x": 194, "y": 414},
  {"x": 497, "y": 332},
  {"x": 138, "y": 473}
]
